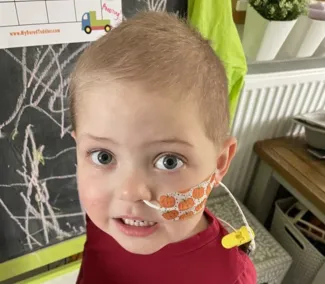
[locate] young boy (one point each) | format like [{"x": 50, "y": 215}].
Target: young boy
[{"x": 150, "y": 115}]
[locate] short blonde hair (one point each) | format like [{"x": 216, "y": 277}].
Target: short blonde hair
[{"x": 162, "y": 53}]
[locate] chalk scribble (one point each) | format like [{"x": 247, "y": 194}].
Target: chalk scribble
[{"x": 45, "y": 90}]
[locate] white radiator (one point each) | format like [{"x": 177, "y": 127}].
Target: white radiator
[{"x": 266, "y": 105}]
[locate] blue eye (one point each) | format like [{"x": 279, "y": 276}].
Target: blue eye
[
  {"x": 102, "y": 157},
  {"x": 169, "y": 162}
]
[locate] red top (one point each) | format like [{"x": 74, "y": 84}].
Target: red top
[{"x": 199, "y": 259}]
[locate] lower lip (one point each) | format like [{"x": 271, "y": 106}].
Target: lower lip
[{"x": 134, "y": 231}]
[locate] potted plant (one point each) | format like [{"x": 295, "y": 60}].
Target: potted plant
[
  {"x": 267, "y": 25},
  {"x": 307, "y": 34}
]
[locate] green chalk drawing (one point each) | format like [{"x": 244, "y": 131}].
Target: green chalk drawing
[
  {"x": 38, "y": 156},
  {"x": 14, "y": 133}
]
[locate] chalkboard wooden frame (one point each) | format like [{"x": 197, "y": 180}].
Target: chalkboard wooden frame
[
  {"x": 52, "y": 274},
  {"x": 29, "y": 262}
]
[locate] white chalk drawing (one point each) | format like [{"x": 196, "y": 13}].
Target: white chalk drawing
[
  {"x": 44, "y": 90},
  {"x": 154, "y": 5},
  {"x": 38, "y": 86}
]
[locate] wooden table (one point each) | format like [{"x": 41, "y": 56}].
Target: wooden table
[{"x": 286, "y": 161}]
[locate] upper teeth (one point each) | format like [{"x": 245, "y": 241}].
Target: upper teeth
[{"x": 137, "y": 222}]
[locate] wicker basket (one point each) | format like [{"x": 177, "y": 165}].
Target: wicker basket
[
  {"x": 307, "y": 260},
  {"x": 271, "y": 261}
]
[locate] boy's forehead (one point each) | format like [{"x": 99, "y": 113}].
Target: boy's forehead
[
  {"x": 117, "y": 109},
  {"x": 125, "y": 99}
]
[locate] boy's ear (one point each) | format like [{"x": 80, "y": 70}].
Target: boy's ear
[
  {"x": 73, "y": 134},
  {"x": 227, "y": 153}
]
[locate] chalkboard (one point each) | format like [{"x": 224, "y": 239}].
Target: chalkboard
[{"x": 39, "y": 203}]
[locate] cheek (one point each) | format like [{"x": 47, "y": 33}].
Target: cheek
[{"x": 94, "y": 198}]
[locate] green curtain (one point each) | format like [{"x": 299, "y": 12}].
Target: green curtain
[{"x": 213, "y": 18}]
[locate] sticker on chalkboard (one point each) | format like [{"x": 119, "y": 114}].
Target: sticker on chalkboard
[{"x": 30, "y": 23}]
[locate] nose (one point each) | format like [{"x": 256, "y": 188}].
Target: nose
[{"x": 135, "y": 188}]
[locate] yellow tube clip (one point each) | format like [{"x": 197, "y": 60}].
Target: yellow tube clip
[{"x": 237, "y": 238}]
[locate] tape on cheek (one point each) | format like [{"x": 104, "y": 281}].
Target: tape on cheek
[{"x": 186, "y": 203}]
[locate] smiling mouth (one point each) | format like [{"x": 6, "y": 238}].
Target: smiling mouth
[
  {"x": 136, "y": 227},
  {"x": 137, "y": 223}
]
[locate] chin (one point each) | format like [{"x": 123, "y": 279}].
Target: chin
[{"x": 139, "y": 246}]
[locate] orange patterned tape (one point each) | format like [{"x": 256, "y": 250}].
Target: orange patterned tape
[{"x": 186, "y": 203}]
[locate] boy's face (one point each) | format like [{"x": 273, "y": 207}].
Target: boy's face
[{"x": 134, "y": 146}]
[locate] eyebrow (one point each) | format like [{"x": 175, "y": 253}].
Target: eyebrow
[
  {"x": 171, "y": 141},
  {"x": 162, "y": 141},
  {"x": 100, "y": 139}
]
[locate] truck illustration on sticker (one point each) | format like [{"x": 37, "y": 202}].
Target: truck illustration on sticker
[{"x": 89, "y": 23}]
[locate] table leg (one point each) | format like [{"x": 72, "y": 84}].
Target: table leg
[{"x": 262, "y": 193}]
